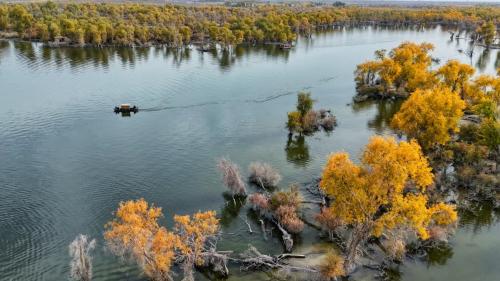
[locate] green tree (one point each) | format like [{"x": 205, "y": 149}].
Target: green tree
[
  {"x": 4, "y": 18},
  {"x": 488, "y": 31},
  {"x": 304, "y": 103}
]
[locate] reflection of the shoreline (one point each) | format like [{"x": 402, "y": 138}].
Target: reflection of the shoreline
[{"x": 34, "y": 54}]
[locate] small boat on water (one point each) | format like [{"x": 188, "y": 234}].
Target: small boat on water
[
  {"x": 126, "y": 108},
  {"x": 285, "y": 46}
]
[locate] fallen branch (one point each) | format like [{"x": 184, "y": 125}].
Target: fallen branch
[
  {"x": 287, "y": 256},
  {"x": 287, "y": 238},
  {"x": 253, "y": 259},
  {"x": 320, "y": 202},
  {"x": 263, "y": 227},
  {"x": 248, "y": 224}
]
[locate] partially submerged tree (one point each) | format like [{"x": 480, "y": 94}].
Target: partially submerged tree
[
  {"x": 487, "y": 31},
  {"x": 231, "y": 177},
  {"x": 384, "y": 193},
  {"x": 135, "y": 234},
  {"x": 282, "y": 209},
  {"x": 405, "y": 69},
  {"x": 193, "y": 232},
  {"x": 306, "y": 120},
  {"x": 81, "y": 260},
  {"x": 263, "y": 175},
  {"x": 304, "y": 102},
  {"x": 429, "y": 116}
]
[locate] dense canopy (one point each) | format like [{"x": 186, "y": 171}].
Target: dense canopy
[{"x": 175, "y": 25}]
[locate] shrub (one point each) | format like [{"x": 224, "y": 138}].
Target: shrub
[
  {"x": 469, "y": 133},
  {"x": 294, "y": 123},
  {"x": 486, "y": 108},
  {"x": 231, "y": 177},
  {"x": 286, "y": 198},
  {"x": 328, "y": 123},
  {"x": 396, "y": 248},
  {"x": 332, "y": 266},
  {"x": 263, "y": 174},
  {"x": 310, "y": 121},
  {"x": 287, "y": 216},
  {"x": 438, "y": 233},
  {"x": 489, "y": 133},
  {"x": 465, "y": 174},
  {"x": 468, "y": 154},
  {"x": 259, "y": 202},
  {"x": 328, "y": 222}
]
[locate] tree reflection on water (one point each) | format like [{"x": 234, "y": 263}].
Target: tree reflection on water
[
  {"x": 297, "y": 150},
  {"x": 231, "y": 210},
  {"x": 385, "y": 111},
  {"x": 478, "y": 215},
  {"x": 34, "y": 53}
]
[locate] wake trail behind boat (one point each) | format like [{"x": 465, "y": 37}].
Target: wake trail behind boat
[
  {"x": 270, "y": 98},
  {"x": 160, "y": 108},
  {"x": 261, "y": 100}
]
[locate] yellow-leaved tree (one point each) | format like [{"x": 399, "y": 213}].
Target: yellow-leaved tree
[
  {"x": 403, "y": 70},
  {"x": 456, "y": 76},
  {"x": 386, "y": 192},
  {"x": 135, "y": 234},
  {"x": 429, "y": 116},
  {"x": 194, "y": 231},
  {"x": 484, "y": 87}
]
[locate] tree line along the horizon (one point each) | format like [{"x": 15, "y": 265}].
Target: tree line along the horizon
[{"x": 177, "y": 25}]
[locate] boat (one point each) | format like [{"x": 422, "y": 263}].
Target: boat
[
  {"x": 125, "y": 108},
  {"x": 285, "y": 46}
]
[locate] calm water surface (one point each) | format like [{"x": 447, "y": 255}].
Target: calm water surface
[{"x": 67, "y": 160}]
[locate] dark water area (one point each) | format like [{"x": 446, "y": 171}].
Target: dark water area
[{"x": 66, "y": 160}]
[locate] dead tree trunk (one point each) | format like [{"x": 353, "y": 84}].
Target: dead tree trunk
[
  {"x": 287, "y": 238},
  {"x": 253, "y": 259}
]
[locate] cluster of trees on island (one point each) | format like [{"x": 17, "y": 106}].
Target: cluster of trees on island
[
  {"x": 452, "y": 113},
  {"x": 408, "y": 67},
  {"x": 305, "y": 120},
  {"x": 177, "y": 25}
]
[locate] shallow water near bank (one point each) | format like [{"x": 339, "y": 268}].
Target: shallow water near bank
[{"x": 67, "y": 160}]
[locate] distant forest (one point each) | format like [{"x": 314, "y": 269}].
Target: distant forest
[{"x": 225, "y": 25}]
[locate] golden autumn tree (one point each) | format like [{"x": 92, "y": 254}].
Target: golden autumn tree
[
  {"x": 194, "y": 231},
  {"x": 135, "y": 234},
  {"x": 403, "y": 70},
  {"x": 456, "y": 76},
  {"x": 484, "y": 87},
  {"x": 385, "y": 192},
  {"x": 415, "y": 62},
  {"x": 429, "y": 116}
]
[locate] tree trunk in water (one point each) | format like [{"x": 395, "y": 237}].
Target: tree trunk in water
[{"x": 357, "y": 236}]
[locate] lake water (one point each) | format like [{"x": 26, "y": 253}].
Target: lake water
[{"x": 66, "y": 160}]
